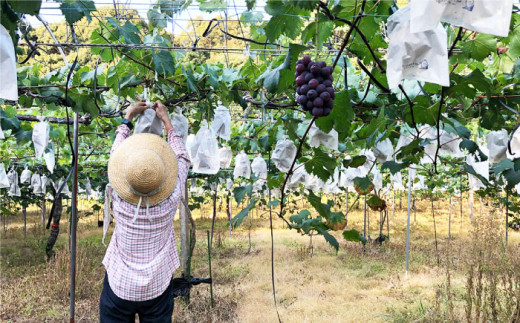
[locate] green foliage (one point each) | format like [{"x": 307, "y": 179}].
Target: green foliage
[
  {"x": 74, "y": 10},
  {"x": 237, "y": 219}
]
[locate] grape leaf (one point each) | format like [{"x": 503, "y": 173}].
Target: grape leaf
[
  {"x": 74, "y": 10},
  {"x": 31, "y": 7},
  {"x": 237, "y": 219}
]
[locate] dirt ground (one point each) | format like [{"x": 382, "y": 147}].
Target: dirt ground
[{"x": 312, "y": 284}]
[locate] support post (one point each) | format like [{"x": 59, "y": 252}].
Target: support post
[
  {"x": 73, "y": 220},
  {"x": 183, "y": 221}
]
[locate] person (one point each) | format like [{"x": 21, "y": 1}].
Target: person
[{"x": 148, "y": 176}]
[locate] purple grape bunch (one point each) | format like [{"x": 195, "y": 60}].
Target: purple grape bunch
[{"x": 315, "y": 91}]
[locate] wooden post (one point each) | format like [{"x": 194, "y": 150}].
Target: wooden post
[{"x": 183, "y": 221}]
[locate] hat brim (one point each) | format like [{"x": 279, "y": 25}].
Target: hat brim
[{"x": 117, "y": 162}]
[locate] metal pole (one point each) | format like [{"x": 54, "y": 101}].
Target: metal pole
[
  {"x": 408, "y": 224},
  {"x": 73, "y": 221}
]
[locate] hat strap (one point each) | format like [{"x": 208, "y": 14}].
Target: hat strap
[{"x": 147, "y": 201}]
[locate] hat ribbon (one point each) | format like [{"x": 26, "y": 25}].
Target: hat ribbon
[{"x": 141, "y": 195}]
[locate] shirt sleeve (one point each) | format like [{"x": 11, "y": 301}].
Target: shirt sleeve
[
  {"x": 183, "y": 159},
  {"x": 122, "y": 133}
]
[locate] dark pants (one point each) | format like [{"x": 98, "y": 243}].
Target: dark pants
[{"x": 115, "y": 309}]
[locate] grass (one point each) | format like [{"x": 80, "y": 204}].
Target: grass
[{"x": 322, "y": 286}]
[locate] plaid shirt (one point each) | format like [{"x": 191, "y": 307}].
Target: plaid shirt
[{"x": 142, "y": 256}]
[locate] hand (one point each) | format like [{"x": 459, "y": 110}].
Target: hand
[
  {"x": 135, "y": 109},
  {"x": 162, "y": 113}
]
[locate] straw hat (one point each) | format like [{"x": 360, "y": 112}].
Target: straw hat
[{"x": 144, "y": 166}]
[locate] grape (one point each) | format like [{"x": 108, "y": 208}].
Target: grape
[
  {"x": 309, "y": 105},
  {"x": 325, "y": 72},
  {"x": 304, "y": 89},
  {"x": 302, "y": 99},
  {"x": 315, "y": 91},
  {"x": 308, "y": 77},
  {"x": 306, "y": 60},
  {"x": 300, "y": 80},
  {"x": 317, "y": 112},
  {"x": 329, "y": 104},
  {"x": 312, "y": 83},
  {"x": 312, "y": 94},
  {"x": 325, "y": 96},
  {"x": 331, "y": 92},
  {"x": 316, "y": 69},
  {"x": 318, "y": 103}
]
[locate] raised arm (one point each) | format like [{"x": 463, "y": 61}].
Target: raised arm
[
  {"x": 123, "y": 131},
  {"x": 177, "y": 143}
]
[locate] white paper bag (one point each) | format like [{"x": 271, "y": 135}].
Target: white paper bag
[
  {"x": 58, "y": 185},
  {"x": 419, "y": 185},
  {"x": 515, "y": 146},
  {"x": 397, "y": 181},
  {"x": 221, "y": 124},
  {"x": 36, "y": 184},
  {"x": 259, "y": 167},
  {"x": 8, "y": 81},
  {"x": 180, "y": 124},
  {"x": 332, "y": 184},
  {"x": 450, "y": 145},
  {"x": 206, "y": 160},
  {"x": 148, "y": 122},
  {"x": 40, "y": 137},
  {"x": 416, "y": 56},
  {"x": 318, "y": 137},
  {"x": 242, "y": 166},
  {"x": 25, "y": 177},
  {"x": 283, "y": 154},
  {"x": 383, "y": 150},
  {"x": 497, "y": 145},
  {"x": 229, "y": 184},
  {"x": 88, "y": 187},
  {"x": 298, "y": 176},
  {"x": 481, "y": 168},
  {"x": 50, "y": 161},
  {"x": 192, "y": 146},
  {"x": 483, "y": 16},
  {"x": 225, "y": 156},
  {"x": 2, "y": 136},
  {"x": 14, "y": 188},
  {"x": 378, "y": 179},
  {"x": 4, "y": 181}
]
